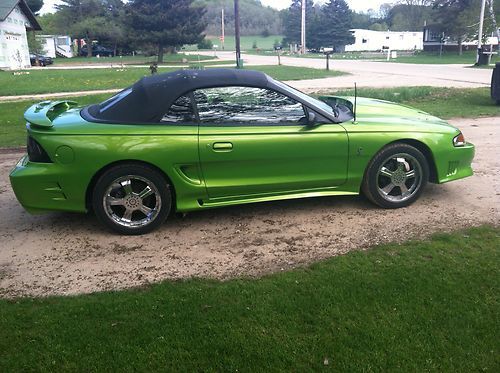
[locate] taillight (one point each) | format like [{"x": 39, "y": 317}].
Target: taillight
[
  {"x": 459, "y": 140},
  {"x": 36, "y": 153}
]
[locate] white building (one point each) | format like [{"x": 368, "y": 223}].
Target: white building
[
  {"x": 368, "y": 40},
  {"x": 15, "y": 19},
  {"x": 435, "y": 39},
  {"x": 56, "y": 45}
]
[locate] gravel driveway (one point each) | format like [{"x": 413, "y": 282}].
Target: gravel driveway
[{"x": 61, "y": 253}]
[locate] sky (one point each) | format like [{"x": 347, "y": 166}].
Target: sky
[{"x": 358, "y": 5}]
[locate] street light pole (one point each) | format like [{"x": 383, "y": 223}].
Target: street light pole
[
  {"x": 480, "y": 36},
  {"x": 222, "y": 28},
  {"x": 237, "y": 32},
  {"x": 303, "y": 28}
]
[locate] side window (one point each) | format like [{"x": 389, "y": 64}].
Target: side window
[
  {"x": 181, "y": 111},
  {"x": 247, "y": 106}
]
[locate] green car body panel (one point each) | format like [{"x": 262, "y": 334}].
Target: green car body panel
[{"x": 211, "y": 166}]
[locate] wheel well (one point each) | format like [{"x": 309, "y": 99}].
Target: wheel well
[
  {"x": 424, "y": 149},
  {"x": 97, "y": 175}
]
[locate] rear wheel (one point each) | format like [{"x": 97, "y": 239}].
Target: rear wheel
[
  {"x": 396, "y": 176},
  {"x": 132, "y": 199}
]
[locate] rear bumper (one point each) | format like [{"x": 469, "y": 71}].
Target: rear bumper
[
  {"x": 455, "y": 164},
  {"x": 38, "y": 188}
]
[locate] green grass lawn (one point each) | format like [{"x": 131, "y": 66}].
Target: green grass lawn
[
  {"x": 467, "y": 58},
  {"x": 132, "y": 60},
  {"x": 429, "y": 305},
  {"x": 54, "y": 80},
  {"x": 12, "y": 124},
  {"x": 334, "y": 56},
  {"x": 295, "y": 73},
  {"x": 46, "y": 81},
  {"x": 442, "y": 102}
]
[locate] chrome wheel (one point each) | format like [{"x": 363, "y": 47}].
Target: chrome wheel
[
  {"x": 132, "y": 201},
  {"x": 399, "y": 177}
]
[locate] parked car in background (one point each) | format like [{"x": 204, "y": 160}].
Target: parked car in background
[
  {"x": 42, "y": 60},
  {"x": 191, "y": 140},
  {"x": 97, "y": 50}
]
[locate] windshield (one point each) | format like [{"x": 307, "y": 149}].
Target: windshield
[
  {"x": 341, "y": 108},
  {"x": 307, "y": 98}
]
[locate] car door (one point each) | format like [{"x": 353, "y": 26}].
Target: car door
[{"x": 255, "y": 141}]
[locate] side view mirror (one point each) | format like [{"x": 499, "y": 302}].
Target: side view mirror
[{"x": 311, "y": 118}]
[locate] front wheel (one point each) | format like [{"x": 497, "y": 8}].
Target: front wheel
[
  {"x": 132, "y": 199},
  {"x": 396, "y": 176}
]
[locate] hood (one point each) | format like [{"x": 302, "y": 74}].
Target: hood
[{"x": 369, "y": 110}]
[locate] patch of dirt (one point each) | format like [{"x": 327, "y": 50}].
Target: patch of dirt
[{"x": 61, "y": 253}]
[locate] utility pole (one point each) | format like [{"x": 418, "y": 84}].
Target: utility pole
[
  {"x": 303, "y": 28},
  {"x": 480, "y": 36},
  {"x": 237, "y": 33},
  {"x": 222, "y": 28}
]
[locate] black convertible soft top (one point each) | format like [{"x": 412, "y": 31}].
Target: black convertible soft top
[{"x": 151, "y": 96}]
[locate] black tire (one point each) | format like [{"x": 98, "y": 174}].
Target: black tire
[
  {"x": 137, "y": 192},
  {"x": 401, "y": 189}
]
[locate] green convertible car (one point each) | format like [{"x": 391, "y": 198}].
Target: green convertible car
[{"x": 192, "y": 140}]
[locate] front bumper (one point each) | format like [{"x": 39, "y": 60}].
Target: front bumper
[
  {"x": 38, "y": 187},
  {"x": 455, "y": 164}
]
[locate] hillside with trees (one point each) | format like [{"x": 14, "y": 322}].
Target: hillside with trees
[{"x": 255, "y": 19}]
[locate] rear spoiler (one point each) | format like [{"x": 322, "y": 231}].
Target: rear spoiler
[{"x": 43, "y": 113}]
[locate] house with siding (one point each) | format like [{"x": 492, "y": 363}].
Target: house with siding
[
  {"x": 56, "y": 45},
  {"x": 16, "y": 19},
  {"x": 369, "y": 40}
]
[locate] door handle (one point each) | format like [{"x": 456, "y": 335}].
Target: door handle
[{"x": 222, "y": 146}]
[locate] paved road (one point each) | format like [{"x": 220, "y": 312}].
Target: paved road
[{"x": 377, "y": 74}]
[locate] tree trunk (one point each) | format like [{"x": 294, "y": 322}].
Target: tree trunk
[
  {"x": 460, "y": 47},
  {"x": 160, "y": 53},
  {"x": 493, "y": 20},
  {"x": 88, "y": 41},
  {"x": 78, "y": 46},
  {"x": 115, "y": 49}
]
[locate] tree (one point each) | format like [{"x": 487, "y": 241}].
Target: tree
[
  {"x": 35, "y": 5},
  {"x": 385, "y": 10},
  {"x": 292, "y": 22},
  {"x": 379, "y": 26},
  {"x": 457, "y": 18},
  {"x": 335, "y": 21},
  {"x": 114, "y": 34},
  {"x": 409, "y": 15},
  {"x": 34, "y": 44},
  {"x": 168, "y": 24},
  {"x": 361, "y": 20},
  {"x": 254, "y": 17},
  {"x": 83, "y": 19},
  {"x": 50, "y": 23},
  {"x": 492, "y": 25},
  {"x": 90, "y": 20}
]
